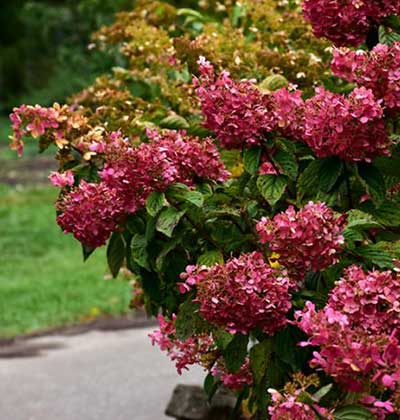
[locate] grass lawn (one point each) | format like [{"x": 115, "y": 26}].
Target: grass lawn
[{"x": 43, "y": 280}]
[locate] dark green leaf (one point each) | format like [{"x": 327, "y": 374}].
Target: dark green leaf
[
  {"x": 139, "y": 251},
  {"x": 353, "y": 412},
  {"x": 373, "y": 182},
  {"x": 168, "y": 220},
  {"x": 87, "y": 251},
  {"x": 187, "y": 319},
  {"x": 271, "y": 187},
  {"x": 329, "y": 172},
  {"x": 210, "y": 385},
  {"x": 251, "y": 159},
  {"x": 236, "y": 352},
  {"x": 307, "y": 184},
  {"x": 115, "y": 253},
  {"x": 155, "y": 202},
  {"x": 287, "y": 163},
  {"x": 260, "y": 355},
  {"x": 166, "y": 249},
  {"x": 181, "y": 192}
]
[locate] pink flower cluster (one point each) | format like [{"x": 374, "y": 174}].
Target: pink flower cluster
[
  {"x": 236, "y": 112},
  {"x": 289, "y": 407},
  {"x": 241, "y": 295},
  {"x": 130, "y": 175},
  {"x": 197, "y": 349},
  {"x": 183, "y": 352},
  {"x": 62, "y": 180},
  {"x": 378, "y": 70},
  {"x": 234, "y": 381},
  {"x": 308, "y": 239},
  {"x": 34, "y": 120},
  {"x": 349, "y": 127},
  {"x": 347, "y": 22},
  {"x": 91, "y": 212},
  {"x": 240, "y": 114},
  {"x": 358, "y": 331}
]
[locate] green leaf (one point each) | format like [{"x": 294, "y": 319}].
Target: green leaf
[
  {"x": 360, "y": 220},
  {"x": 155, "y": 202},
  {"x": 251, "y": 159},
  {"x": 139, "y": 251},
  {"x": 236, "y": 352},
  {"x": 210, "y": 258},
  {"x": 376, "y": 255},
  {"x": 174, "y": 122},
  {"x": 271, "y": 187},
  {"x": 287, "y": 163},
  {"x": 388, "y": 213},
  {"x": 222, "y": 338},
  {"x": 181, "y": 192},
  {"x": 260, "y": 355},
  {"x": 353, "y": 412},
  {"x": 167, "y": 248},
  {"x": 388, "y": 37},
  {"x": 210, "y": 385},
  {"x": 87, "y": 251},
  {"x": 168, "y": 220},
  {"x": 330, "y": 171},
  {"x": 187, "y": 319},
  {"x": 322, "y": 392},
  {"x": 307, "y": 184},
  {"x": 115, "y": 253},
  {"x": 372, "y": 180}
]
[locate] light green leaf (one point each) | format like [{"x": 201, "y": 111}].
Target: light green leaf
[
  {"x": 353, "y": 412},
  {"x": 155, "y": 202},
  {"x": 139, "y": 251},
  {"x": 175, "y": 122},
  {"x": 272, "y": 187},
  {"x": 168, "y": 220},
  {"x": 210, "y": 258}
]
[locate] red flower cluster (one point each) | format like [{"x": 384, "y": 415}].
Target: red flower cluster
[
  {"x": 289, "y": 407},
  {"x": 358, "y": 331},
  {"x": 241, "y": 295},
  {"x": 34, "y": 120},
  {"x": 308, "y": 239},
  {"x": 130, "y": 175},
  {"x": 91, "y": 212},
  {"x": 237, "y": 112},
  {"x": 183, "y": 352},
  {"x": 197, "y": 349},
  {"x": 347, "y": 22},
  {"x": 349, "y": 127},
  {"x": 234, "y": 381},
  {"x": 378, "y": 70}
]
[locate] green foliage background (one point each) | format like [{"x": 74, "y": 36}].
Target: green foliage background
[{"x": 43, "y": 48}]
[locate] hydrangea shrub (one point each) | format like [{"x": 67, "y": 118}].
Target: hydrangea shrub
[{"x": 257, "y": 206}]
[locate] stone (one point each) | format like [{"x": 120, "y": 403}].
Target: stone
[{"x": 190, "y": 402}]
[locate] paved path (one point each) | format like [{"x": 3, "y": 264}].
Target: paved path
[{"x": 93, "y": 376}]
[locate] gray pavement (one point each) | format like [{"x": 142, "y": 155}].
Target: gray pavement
[{"x": 94, "y": 376}]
